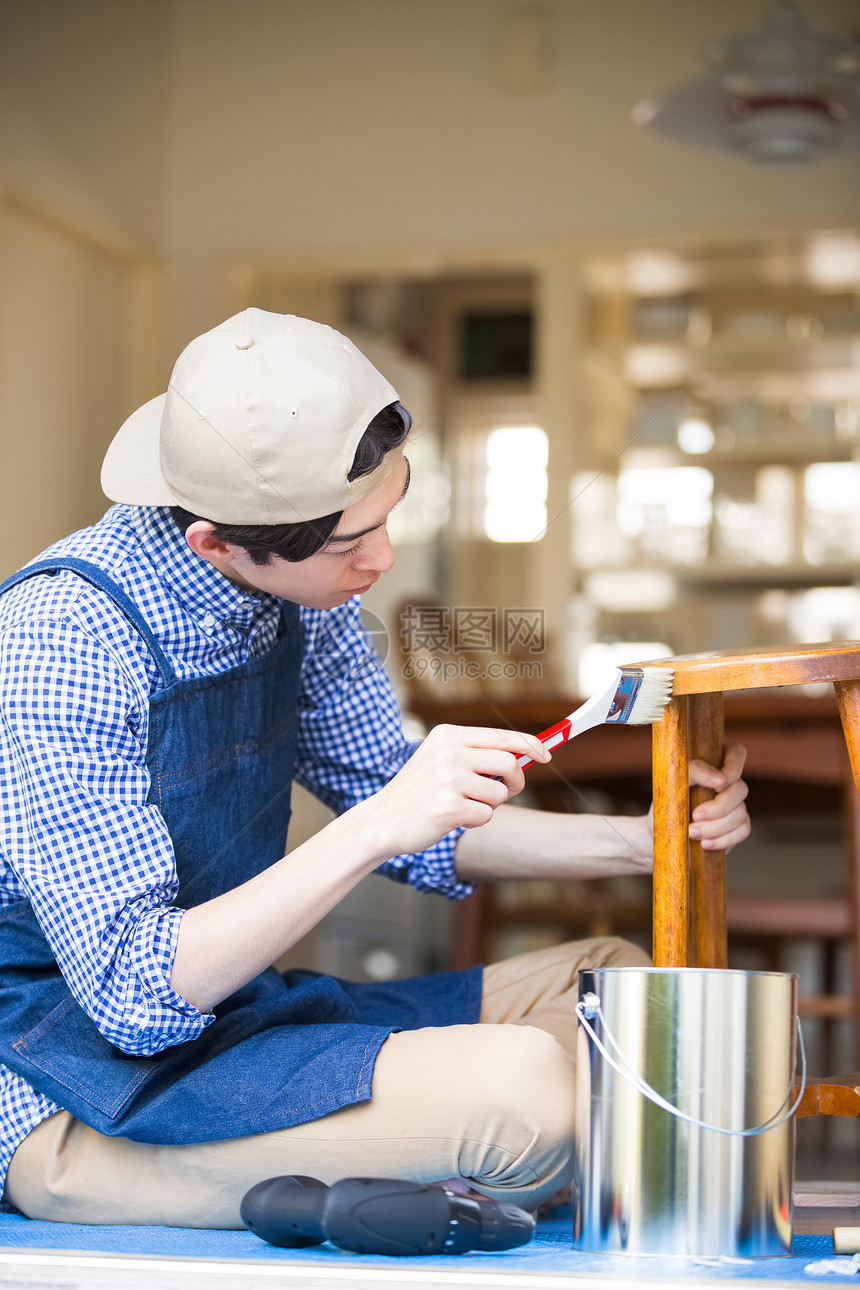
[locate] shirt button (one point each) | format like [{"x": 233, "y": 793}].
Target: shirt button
[{"x": 208, "y": 620}]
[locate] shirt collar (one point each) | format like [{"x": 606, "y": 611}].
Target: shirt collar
[{"x": 194, "y": 583}]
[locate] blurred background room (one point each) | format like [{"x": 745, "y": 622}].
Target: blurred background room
[{"x": 630, "y": 342}]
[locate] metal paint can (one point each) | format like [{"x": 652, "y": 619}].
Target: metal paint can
[{"x": 684, "y": 1111}]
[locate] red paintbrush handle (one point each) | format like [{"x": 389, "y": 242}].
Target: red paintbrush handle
[{"x": 552, "y": 737}]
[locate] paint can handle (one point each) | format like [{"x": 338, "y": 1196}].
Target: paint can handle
[{"x": 589, "y": 1007}]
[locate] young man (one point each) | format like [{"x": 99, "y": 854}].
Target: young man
[{"x": 161, "y": 688}]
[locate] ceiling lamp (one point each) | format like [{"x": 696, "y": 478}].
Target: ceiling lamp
[{"x": 784, "y": 94}]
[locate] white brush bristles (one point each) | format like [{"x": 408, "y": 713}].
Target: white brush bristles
[{"x": 654, "y": 693}]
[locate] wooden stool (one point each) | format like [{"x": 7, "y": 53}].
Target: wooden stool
[{"x": 689, "y": 920}]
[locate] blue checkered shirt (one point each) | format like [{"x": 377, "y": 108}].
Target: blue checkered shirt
[{"x": 75, "y": 682}]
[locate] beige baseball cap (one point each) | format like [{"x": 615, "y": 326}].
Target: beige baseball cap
[{"x": 259, "y": 425}]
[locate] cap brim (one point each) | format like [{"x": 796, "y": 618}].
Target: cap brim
[{"x": 131, "y": 470}]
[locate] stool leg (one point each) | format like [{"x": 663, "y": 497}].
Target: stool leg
[
  {"x": 671, "y": 822},
  {"x": 848, "y": 698},
  {"x": 707, "y": 868},
  {"x": 852, "y": 893}
]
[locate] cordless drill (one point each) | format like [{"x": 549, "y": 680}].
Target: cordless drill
[{"x": 381, "y": 1216}]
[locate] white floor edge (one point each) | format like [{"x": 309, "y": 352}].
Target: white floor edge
[{"x": 79, "y": 1270}]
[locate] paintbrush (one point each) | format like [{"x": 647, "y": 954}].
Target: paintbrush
[{"x": 633, "y": 696}]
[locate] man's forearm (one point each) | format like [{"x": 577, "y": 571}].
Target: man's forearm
[
  {"x": 227, "y": 941},
  {"x": 523, "y": 843}
]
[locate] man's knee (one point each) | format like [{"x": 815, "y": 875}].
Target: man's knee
[
  {"x": 538, "y": 1068},
  {"x": 531, "y": 1097},
  {"x": 615, "y": 951},
  {"x": 526, "y": 1118}
]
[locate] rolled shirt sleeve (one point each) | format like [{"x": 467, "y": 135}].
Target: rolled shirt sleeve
[
  {"x": 79, "y": 840},
  {"x": 351, "y": 740}
]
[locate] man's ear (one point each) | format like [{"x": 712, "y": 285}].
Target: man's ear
[{"x": 200, "y": 536}]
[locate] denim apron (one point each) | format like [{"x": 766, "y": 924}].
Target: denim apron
[{"x": 282, "y": 1050}]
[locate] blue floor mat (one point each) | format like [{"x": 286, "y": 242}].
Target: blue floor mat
[{"x": 551, "y": 1251}]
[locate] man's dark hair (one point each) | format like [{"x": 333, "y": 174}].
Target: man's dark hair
[{"x": 295, "y": 542}]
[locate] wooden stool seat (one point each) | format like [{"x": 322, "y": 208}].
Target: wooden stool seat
[
  {"x": 757, "y": 669},
  {"x": 690, "y": 913}
]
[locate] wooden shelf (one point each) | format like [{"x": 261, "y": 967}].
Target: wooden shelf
[
  {"x": 718, "y": 573},
  {"x": 835, "y": 346},
  {"x": 798, "y": 450}
]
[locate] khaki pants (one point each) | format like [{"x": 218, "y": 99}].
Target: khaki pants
[{"x": 489, "y": 1103}]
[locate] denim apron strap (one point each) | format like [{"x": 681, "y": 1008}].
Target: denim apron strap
[
  {"x": 93, "y": 574},
  {"x": 280, "y": 1051}
]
